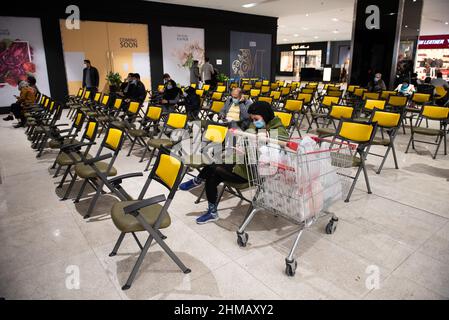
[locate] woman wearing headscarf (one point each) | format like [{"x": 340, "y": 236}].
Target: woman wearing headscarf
[{"x": 263, "y": 121}]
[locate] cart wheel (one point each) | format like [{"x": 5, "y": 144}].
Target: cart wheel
[
  {"x": 290, "y": 267},
  {"x": 242, "y": 239},
  {"x": 331, "y": 227}
]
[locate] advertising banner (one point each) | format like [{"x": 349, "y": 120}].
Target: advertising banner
[
  {"x": 21, "y": 54},
  {"x": 180, "y": 47}
]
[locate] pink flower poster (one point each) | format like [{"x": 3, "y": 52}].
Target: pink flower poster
[
  {"x": 21, "y": 54},
  {"x": 180, "y": 47}
]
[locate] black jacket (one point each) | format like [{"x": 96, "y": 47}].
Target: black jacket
[
  {"x": 136, "y": 92},
  {"x": 94, "y": 77}
]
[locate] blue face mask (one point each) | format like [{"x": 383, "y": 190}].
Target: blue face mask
[
  {"x": 235, "y": 100},
  {"x": 259, "y": 124}
]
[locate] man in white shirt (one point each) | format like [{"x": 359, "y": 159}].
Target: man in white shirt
[{"x": 207, "y": 70}]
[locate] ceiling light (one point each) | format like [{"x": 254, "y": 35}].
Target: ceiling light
[
  {"x": 334, "y": 19},
  {"x": 249, "y": 5},
  {"x": 316, "y": 37},
  {"x": 296, "y": 35},
  {"x": 284, "y": 39},
  {"x": 305, "y": 28},
  {"x": 446, "y": 23},
  {"x": 307, "y": 14},
  {"x": 335, "y": 31}
]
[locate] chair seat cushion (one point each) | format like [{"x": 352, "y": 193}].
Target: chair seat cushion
[
  {"x": 427, "y": 131},
  {"x": 64, "y": 159},
  {"x": 86, "y": 171},
  {"x": 318, "y": 115},
  {"x": 118, "y": 124},
  {"x": 345, "y": 160},
  {"x": 92, "y": 114},
  {"x": 381, "y": 142},
  {"x": 55, "y": 144},
  {"x": 156, "y": 143},
  {"x": 137, "y": 132},
  {"x": 128, "y": 223},
  {"x": 325, "y": 131},
  {"x": 103, "y": 118},
  {"x": 413, "y": 110},
  {"x": 85, "y": 109},
  {"x": 360, "y": 119},
  {"x": 41, "y": 129}
]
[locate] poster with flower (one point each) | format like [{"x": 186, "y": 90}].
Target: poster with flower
[
  {"x": 180, "y": 47},
  {"x": 21, "y": 54}
]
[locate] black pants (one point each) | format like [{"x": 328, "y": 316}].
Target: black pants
[
  {"x": 93, "y": 91},
  {"x": 214, "y": 175},
  {"x": 16, "y": 109}
]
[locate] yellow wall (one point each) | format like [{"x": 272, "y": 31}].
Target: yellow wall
[{"x": 100, "y": 43}]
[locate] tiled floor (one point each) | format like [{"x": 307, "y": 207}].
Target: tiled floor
[{"x": 401, "y": 230}]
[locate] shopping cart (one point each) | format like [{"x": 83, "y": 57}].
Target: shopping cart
[{"x": 296, "y": 180}]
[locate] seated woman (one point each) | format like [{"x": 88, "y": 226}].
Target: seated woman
[
  {"x": 263, "y": 118},
  {"x": 405, "y": 89}
]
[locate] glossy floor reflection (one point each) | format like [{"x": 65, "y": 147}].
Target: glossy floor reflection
[{"x": 49, "y": 251}]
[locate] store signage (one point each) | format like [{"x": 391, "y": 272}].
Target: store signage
[
  {"x": 373, "y": 20},
  {"x": 434, "y": 42},
  {"x": 296, "y": 47},
  {"x": 128, "y": 43}
]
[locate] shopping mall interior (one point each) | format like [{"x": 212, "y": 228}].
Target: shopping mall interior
[{"x": 224, "y": 150}]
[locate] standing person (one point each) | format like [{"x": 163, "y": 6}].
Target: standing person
[
  {"x": 207, "y": 71},
  {"x": 91, "y": 79},
  {"x": 377, "y": 84},
  {"x": 263, "y": 120},
  {"x": 195, "y": 76}
]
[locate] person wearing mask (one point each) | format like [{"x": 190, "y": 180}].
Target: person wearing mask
[
  {"x": 124, "y": 86},
  {"x": 91, "y": 79},
  {"x": 136, "y": 89},
  {"x": 405, "y": 89},
  {"x": 263, "y": 121},
  {"x": 192, "y": 103},
  {"x": 377, "y": 84},
  {"x": 207, "y": 72},
  {"x": 235, "y": 109},
  {"x": 195, "y": 76},
  {"x": 171, "y": 94},
  {"x": 24, "y": 101}
]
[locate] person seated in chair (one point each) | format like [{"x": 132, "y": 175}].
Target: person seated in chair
[
  {"x": 405, "y": 89},
  {"x": 24, "y": 101},
  {"x": 136, "y": 90},
  {"x": 377, "y": 84},
  {"x": 235, "y": 109},
  {"x": 263, "y": 120},
  {"x": 192, "y": 103},
  {"x": 171, "y": 94}
]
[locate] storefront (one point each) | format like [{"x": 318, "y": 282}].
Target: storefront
[
  {"x": 432, "y": 56},
  {"x": 292, "y": 58}
]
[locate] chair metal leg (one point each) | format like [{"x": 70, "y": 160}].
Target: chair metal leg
[
  {"x": 394, "y": 156},
  {"x": 67, "y": 192},
  {"x": 384, "y": 159},
  {"x": 57, "y": 172},
  {"x": 64, "y": 177},
  {"x": 80, "y": 193},
  {"x": 409, "y": 143},
  {"x": 149, "y": 160},
  {"x": 94, "y": 200},
  {"x": 438, "y": 147},
  {"x": 137, "y": 264},
  {"x": 365, "y": 173},
  {"x": 132, "y": 146},
  {"x": 201, "y": 195},
  {"x": 354, "y": 183},
  {"x": 144, "y": 153},
  {"x": 117, "y": 244}
]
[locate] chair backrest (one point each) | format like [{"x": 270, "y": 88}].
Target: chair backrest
[
  {"x": 80, "y": 92},
  {"x": 266, "y": 82},
  {"x": 371, "y": 95},
  {"x": 105, "y": 100},
  {"x": 421, "y": 98},
  {"x": 440, "y": 93},
  {"x": 386, "y": 94},
  {"x": 254, "y": 93},
  {"x": 397, "y": 101},
  {"x": 215, "y": 133},
  {"x": 341, "y": 112},
  {"x": 274, "y": 86},
  {"x": 86, "y": 95},
  {"x": 113, "y": 139},
  {"x": 286, "y": 118},
  {"x": 217, "y": 96},
  {"x": 328, "y": 101},
  {"x": 206, "y": 87},
  {"x": 133, "y": 107},
  {"x": 118, "y": 103},
  {"x": 231, "y": 86},
  {"x": 265, "y": 89},
  {"x": 217, "y": 106},
  {"x": 275, "y": 95},
  {"x": 306, "y": 97},
  {"x": 334, "y": 93},
  {"x": 168, "y": 171},
  {"x": 161, "y": 87},
  {"x": 435, "y": 112},
  {"x": 285, "y": 91},
  {"x": 371, "y": 104},
  {"x": 308, "y": 90},
  {"x": 356, "y": 131},
  {"x": 176, "y": 120},
  {"x": 200, "y": 92},
  {"x": 293, "y": 105},
  {"x": 266, "y": 99},
  {"x": 386, "y": 119},
  {"x": 97, "y": 97},
  {"x": 247, "y": 87},
  {"x": 193, "y": 85},
  {"x": 91, "y": 130},
  {"x": 258, "y": 85},
  {"x": 153, "y": 113},
  {"x": 359, "y": 92},
  {"x": 221, "y": 89},
  {"x": 79, "y": 119},
  {"x": 352, "y": 88}
]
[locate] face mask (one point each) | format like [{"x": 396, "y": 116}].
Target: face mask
[
  {"x": 259, "y": 124},
  {"x": 235, "y": 100},
  {"x": 169, "y": 87},
  {"x": 134, "y": 81},
  {"x": 376, "y": 79},
  {"x": 165, "y": 80},
  {"x": 185, "y": 94}
]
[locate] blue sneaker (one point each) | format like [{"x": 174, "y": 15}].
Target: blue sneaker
[
  {"x": 189, "y": 185},
  {"x": 207, "y": 217}
]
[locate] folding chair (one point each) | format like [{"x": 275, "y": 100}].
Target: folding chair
[
  {"x": 417, "y": 101},
  {"x": 296, "y": 108},
  {"x": 132, "y": 216},
  {"x": 371, "y": 96},
  {"x": 276, "y": 96},
  {"x": 368, "y": 108},
  {"x": 221, "y": 89},
  {"x": 64, "y": 160},
  {"x": 213, "y": 110},
  {"x": 254, "y": 94},
  {"x": 398, "y": 104},
  {"x": 265, "y": 90},
  {"x": 386, "y": 94},
  {"x": 435, "y": 113},
  {"x": 362, "y": 134},
  {"x": 336, "y": 113},
  {"x": 150, "y": 121},
  {"x": 389, "y": 122},
  {"x": 265, "y": 99},
  {"x": 175, "y": 121},
  {"x": 92, "y": 170}
]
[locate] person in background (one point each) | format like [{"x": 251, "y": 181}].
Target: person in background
[
  {"x": 414, "y": 80},
  {"x": 91, "y": 79},
  {"x": 263, "y": 119},
  {"x": 32, "y": 84},
  {"x": 439, "y": 81},
  {"x": 207, "y": 71},
  {"x": 124, "y": 87},
  {"x": 195, "y": 76},
  {"x": 235, "y": 109},
  {"x": 171, "y": 94},
  {"x": 405, "y": 89},
  {"x": 192, "y": 103},
  {"x": 136, "y": 89},
  {"x": 426, "y": 87},
  {"x": 377, "y": 84},
  {"x": 25, "y": 100}
]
